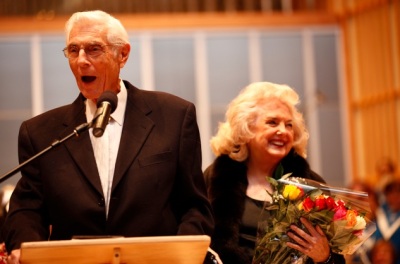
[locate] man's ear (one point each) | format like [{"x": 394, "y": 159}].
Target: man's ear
[{"x": 124, "y": 54}]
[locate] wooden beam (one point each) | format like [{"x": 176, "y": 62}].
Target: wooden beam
[{"x": 51, "y": 23}]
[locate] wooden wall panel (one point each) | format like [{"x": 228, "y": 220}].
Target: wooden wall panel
[
  {"x": 50, "y": 23},
  {"x": 372, "y": 52}
]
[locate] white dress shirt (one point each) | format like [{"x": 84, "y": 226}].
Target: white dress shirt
[{"x": 106, "y": 147}]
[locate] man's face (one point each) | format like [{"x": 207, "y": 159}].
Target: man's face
[{"x": 95, "y": 74}]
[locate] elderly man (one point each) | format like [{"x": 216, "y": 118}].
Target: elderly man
[{"x": 142, "y": 177}]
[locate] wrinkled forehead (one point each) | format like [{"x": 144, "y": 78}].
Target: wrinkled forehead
[{"x": 87, "y": 31}]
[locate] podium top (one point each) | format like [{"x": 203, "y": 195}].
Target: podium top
[{"x": 143, "y": 250}]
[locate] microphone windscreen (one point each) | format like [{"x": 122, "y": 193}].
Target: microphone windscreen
[{"x": 110, "y": 97}]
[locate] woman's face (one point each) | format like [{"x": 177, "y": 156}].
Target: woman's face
[{"x": 273, "y": 131}]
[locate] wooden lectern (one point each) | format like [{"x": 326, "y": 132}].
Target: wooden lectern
[{"x": 142, "y": 250}]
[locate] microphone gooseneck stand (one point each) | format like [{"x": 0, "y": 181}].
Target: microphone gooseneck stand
[
  {"x": 106, "y": 104},
  {"x": 77, "y": 131}
]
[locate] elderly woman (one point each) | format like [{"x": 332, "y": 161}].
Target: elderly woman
[{"x": 263, "y": 135}]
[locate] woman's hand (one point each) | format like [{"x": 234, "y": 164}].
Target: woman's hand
[
  {"x": 315, "y": 244},
  {"x": 13, "y": 258}
]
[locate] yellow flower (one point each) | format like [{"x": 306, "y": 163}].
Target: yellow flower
[{"x": 291, "y": 192}]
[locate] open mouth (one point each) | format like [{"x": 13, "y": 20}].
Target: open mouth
[
  {"x": 88, "y": 79},
  {"x": 277, "y": 143}
]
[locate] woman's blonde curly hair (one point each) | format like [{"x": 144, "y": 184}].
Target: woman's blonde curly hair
[{"x": 234, "y": 134}]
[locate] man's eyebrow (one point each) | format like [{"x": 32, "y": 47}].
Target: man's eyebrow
[{"x": 85, "y": 44}]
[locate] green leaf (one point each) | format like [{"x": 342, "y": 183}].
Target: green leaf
[{"x": 278, "y": 172}]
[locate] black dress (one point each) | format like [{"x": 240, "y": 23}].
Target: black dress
[{"x": 248, "y": 229}]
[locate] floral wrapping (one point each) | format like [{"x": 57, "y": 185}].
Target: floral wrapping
[
  {"x": 342, "y": 214},
  {"x": 3, "y": 254}
]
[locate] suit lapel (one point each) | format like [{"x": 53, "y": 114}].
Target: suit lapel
[
  {"x": 137, "y": 127},
  {"x": 80, "y": 148}
]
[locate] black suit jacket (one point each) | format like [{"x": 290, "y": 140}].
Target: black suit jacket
[{"x": 158, "y": 187}]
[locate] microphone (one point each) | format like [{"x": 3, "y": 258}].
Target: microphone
[{"x": 106, "y": 104}]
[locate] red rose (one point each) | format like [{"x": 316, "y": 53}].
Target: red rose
[
  {"x": 330, "y": 203},
  {"x": 340, "y": 203},
  {"x": 308, "y": 204},
  {"x": 320, "y": 203}
]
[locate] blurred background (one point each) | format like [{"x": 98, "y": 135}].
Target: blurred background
[{"x": 341, "y": 56}]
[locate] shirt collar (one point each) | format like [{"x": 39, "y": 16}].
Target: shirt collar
[{"x": 118, "y": 114}]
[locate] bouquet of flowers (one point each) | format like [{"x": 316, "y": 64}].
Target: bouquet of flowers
[
  {"x": 3, "y": 254},
  {"x": 342, "y": 214}
]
